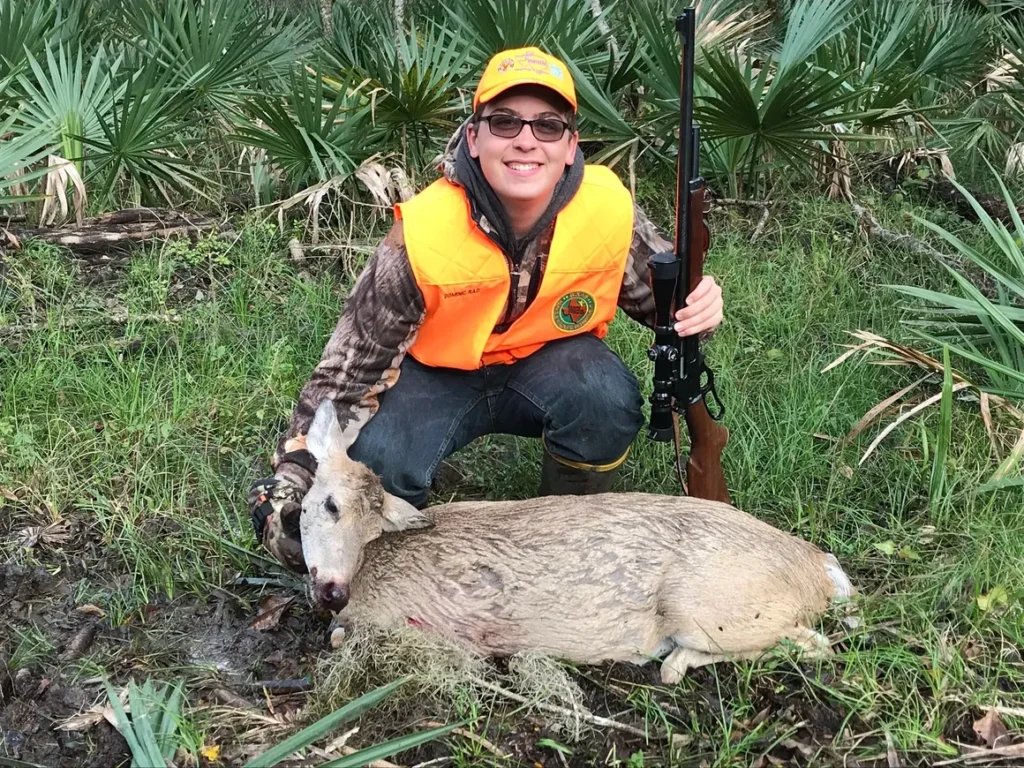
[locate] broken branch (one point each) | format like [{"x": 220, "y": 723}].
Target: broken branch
[{"x": 581, "y": 714}]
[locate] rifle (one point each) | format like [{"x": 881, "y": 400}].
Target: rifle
[{"x": 682, "y": 380}]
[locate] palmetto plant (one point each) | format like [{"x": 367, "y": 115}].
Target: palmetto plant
[
  {"x": 139, "y": 151},
  {"x": 66, "y": 99},
  {"x": 985, "y": 323},
  {"x": 23, "y": 29},
  {"x": 20, "y": 158},
  {"x": 779, "y": 107},
  {"x": 410, "y": 78},
  {"x": 223, "y": 49},
  {"x": 314, "y": 133},
  {"x": 488, "y": 26}
]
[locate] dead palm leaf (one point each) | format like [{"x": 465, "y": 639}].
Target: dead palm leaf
[
  {"x": 61, "y": 173},
  {"x": 893, "y": 353}
]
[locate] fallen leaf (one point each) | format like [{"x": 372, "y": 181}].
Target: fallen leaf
[
  {"x": 846, "y": 471},
  {"x": 211, "y": 753},
  {"x": 990, "y": 729},
  {"x": 886, "y": 547},
  {"x": 81, "y": 721},
  {"x": 111, "y": 717},
  {"x": 927, "y": 534},
  {"x": 804, "y": 749},
  {"x": 91, "y": 610},
  {"x": 54, "y": 533},
  {"x": 270, "y": 611},
  {"x": 972, "y": 650},
  {"x": 8, "y": 494},
  {"x": 760, "y": 717},
  {"x": 992, "y": 598},
  {"x": 890, "y": 752},
  {"x": 908, "y": 554}
]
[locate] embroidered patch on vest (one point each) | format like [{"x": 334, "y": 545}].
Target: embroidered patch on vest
[{"x": 573, "y": 310}]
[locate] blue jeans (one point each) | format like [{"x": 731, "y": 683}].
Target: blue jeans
[{"x": 574, "y": 392}]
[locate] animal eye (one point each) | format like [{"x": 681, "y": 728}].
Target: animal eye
[{"x": 332, "y": 508}]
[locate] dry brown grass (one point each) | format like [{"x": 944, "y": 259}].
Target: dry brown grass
[{"x": 447, "y": 679}]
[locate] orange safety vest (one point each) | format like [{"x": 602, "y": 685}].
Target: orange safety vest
[{"x": 464, "y": 277}]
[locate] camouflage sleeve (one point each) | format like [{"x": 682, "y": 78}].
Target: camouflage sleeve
[
  {"x": 361, "y": 360},
  {"x": 635, "y": 297}
]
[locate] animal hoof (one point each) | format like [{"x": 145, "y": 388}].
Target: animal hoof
[
  {"x": 337, "y": 637},
  {"x": 670, "y": 676}
]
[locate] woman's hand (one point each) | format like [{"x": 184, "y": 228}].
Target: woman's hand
[{"x": 703, "y": 310}]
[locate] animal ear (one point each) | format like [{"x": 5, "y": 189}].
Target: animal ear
[
  {"x": 325, "y": 436},
  {"x": 400, "y": 515}
]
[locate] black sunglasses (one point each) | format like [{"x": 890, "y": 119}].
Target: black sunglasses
[{"x": 509, "y": 126}]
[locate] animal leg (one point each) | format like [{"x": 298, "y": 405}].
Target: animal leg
[
  {"x": 813, "y": 645},
  {"x": 681, "y": 660}
]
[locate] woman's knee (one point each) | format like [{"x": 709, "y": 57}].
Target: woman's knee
[
  {"x": 402, "y": 464},
  {"x": 599, "y": 414}
]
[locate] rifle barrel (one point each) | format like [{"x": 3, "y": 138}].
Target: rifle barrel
[{"x": 689, "y": 369}]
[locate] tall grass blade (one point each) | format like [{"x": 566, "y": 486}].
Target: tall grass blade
[
  {"x": 393, "y": 747},
  {"x": 308, "y": 735},
  {"x": 938, "y": 478}
]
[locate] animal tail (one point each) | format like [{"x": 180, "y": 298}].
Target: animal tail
[{"x": 844, "y": 588}]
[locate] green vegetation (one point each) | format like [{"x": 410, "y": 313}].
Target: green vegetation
[{"x": 142, "y": 395}]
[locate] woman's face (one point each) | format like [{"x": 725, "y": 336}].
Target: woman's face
[{"x": 522, "y": 168}]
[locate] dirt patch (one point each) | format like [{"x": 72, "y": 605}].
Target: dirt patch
[{"x": 51, "y": 650}]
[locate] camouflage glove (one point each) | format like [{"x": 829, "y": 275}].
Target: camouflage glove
[{"x": 275, "y": 504}]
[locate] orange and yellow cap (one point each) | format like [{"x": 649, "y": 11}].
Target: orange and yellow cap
[{"x": 524, "y": 66}]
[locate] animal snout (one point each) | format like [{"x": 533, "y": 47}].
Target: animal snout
[{"x": 332, "y": 595}]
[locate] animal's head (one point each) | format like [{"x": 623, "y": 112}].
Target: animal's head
[{"x": 344, "y": 510}]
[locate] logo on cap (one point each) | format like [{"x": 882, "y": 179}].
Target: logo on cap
[{"x": 506, "y": 65}]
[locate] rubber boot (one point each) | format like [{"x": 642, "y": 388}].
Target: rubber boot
[{"x": 558, "y": 478}]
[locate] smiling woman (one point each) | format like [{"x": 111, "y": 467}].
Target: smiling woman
[{"x": 485, "y": 311}]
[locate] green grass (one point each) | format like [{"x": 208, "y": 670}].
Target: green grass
[{"x": 148, "y": 434}]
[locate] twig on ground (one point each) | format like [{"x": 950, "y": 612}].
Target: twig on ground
[
  {"x": 472, "y": 737},
  {"x": 231, "y": 699},
  {"x": 974, "y": 754},
  {"x": 741, "y": 201},
  {"x": 87, "y": 322},
  {"x": 281, "y": 686},
  {"x": 131, "y": 225},
  {"x": 760, "y": 224},
  {"x": 764, "y": 205},
  {"x": 435, "y": 761},
  {"x": 909, "y": 243},
  {"x": 581, "y": 714},
  {"x": 675, "y": 711}
]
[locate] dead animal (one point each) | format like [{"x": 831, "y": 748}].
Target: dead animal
[{"x": 608, "y": 577}]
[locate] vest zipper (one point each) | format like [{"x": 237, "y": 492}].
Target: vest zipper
[{"x": 510, "y": 302}]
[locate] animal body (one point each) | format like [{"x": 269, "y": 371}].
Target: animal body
[{"x": 605, "y": 577}]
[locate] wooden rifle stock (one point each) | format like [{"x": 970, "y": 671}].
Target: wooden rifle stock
[{"x": 704, "y": 474}]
